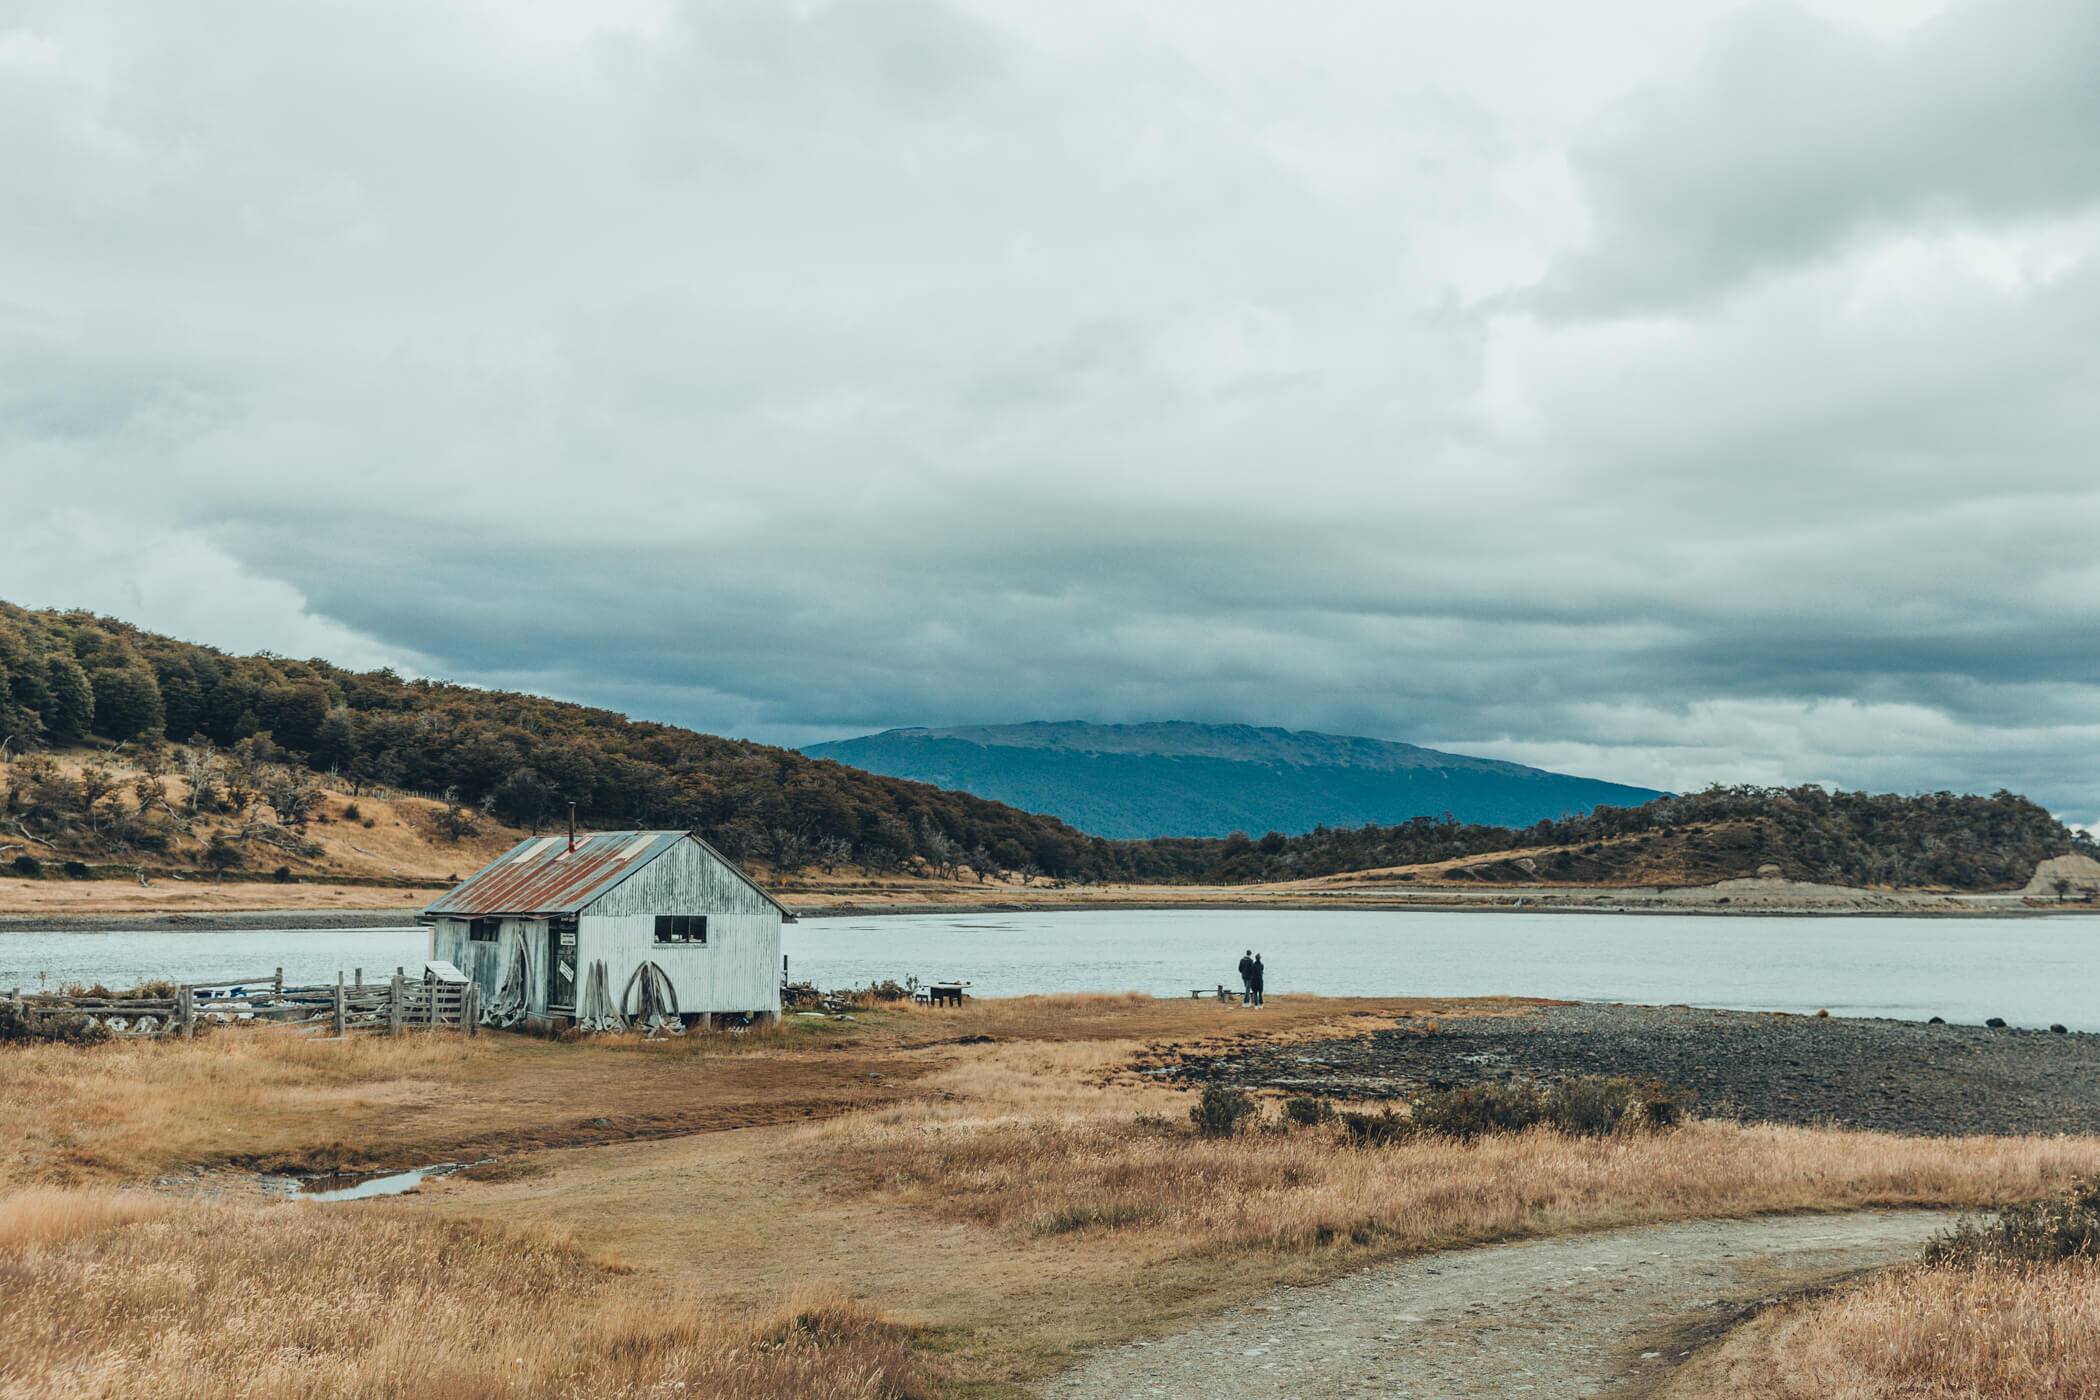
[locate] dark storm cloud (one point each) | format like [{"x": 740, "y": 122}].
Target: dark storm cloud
[{"x": 795, "y": 371}]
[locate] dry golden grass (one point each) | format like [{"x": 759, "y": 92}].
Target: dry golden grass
[
  {"x": 1026, "y": 1197},
  {"x": 103, "y": 1296},
  {"x": 73, "y": 1114},
  {"x": 1024, "y": 1137},
  {"x": 1939, "y": 1333},
  {"x": 119, "y": 1112}
]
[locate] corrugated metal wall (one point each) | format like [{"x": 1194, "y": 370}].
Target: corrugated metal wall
[
  {"x": 486, "y": 964},
  {"x": 737, "y": 970}
]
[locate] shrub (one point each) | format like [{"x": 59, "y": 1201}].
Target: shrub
[
  {"x": 29, "y": 867},
  {"x": 77, "y": 870},
  {"x": 871, "y": 995},
  {"x": 68, "y": 1028},
  {"x": 1221, "y": 1111},
  {"x": 1380, "y": 1129},
  {"x": 353, "y": 813},
  {"x": 2036, "y": 1232},
  {"x": 1308, "y": 1110},
  {"x": 1585, "y": 1106},
  {"x": 282, "y": 875}
]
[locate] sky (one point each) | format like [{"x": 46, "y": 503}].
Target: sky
[{"x": 1669, "y": 391}]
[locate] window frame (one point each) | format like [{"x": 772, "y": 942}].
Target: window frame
[
  {"x": 484, "y": 930},
  {"x": 680, "y": 931}
]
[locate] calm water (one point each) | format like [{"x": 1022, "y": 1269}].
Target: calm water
[
  {"x": 2030, "y": 971},
  {"x": 125, "y": 959}
]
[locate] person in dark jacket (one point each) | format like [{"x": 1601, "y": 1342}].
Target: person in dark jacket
[
  {"x": 1254, "y": 982},
  {"x": 1247, "y": 978}
]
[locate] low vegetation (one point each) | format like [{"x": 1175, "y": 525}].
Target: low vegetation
[
  {"x": 2006, "y": 1308},
  {"x": 1582, "y": 1106},
  {"x": 926, "y": 1162},
  {"x": 108, "y": 1294}
]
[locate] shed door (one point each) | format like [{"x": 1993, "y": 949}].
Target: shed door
[{"x": 561, "y": 964}]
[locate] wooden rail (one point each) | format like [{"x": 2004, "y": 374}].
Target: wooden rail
[{"x": 395, "y": 1006}]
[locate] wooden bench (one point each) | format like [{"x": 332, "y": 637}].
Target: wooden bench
[{"x": 1221, "y": 992}]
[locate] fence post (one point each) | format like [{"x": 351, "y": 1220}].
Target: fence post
[
  {"x": 277, "y": 982},
  {"x": 393, "y": 1018},
  {"x": 470, "y": 1009},
  {"x": 360, "y": 979},
  {"x": 186, "y": 1005},
  {"x": 342, "y": 1021}
]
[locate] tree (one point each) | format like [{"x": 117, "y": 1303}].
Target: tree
[
  {"x": 72, "y": 699},
  {"x": 127, "y": 703},
  {"x": 223, "y": 855},
  {"x": 522, "y": 800},
  {"x": 335, "y": 742}
]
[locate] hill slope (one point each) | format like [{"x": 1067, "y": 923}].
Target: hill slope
[
  {"x": 514, "y": 758},
  {"x": 1133, "y": 781}
]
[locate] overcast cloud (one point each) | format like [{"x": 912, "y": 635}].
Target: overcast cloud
[{"x": 1670, "y": 391}]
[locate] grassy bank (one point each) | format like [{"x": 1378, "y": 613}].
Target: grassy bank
[
  {"x": 110, "y": 1295},
  {"x": 1937, "y": 1333},
  {"x": 983, "y": 1194}
]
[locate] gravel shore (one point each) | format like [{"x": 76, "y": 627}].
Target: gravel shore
[
  {"x": 1892, "y": 1076},
  {"x": 214, "y": 921}
]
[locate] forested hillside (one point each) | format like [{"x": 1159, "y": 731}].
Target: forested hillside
[
  {"x": 519, "y": 758},
  {"x": 1952, "y": 840},
  {"x": 242, "y": 737}
]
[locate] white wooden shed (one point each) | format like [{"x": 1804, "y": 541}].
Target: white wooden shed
[{"x": 662, "y": 911}]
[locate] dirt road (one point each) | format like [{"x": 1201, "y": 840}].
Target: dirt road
[{"x": 1591, "y": 1315}]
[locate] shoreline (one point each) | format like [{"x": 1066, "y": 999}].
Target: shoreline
[
  {"x": 1867, "y": 905},
  {"x": 210, "y": 921}
]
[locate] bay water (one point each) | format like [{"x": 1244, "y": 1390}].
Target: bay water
[{"x": 2031, "y": 971}]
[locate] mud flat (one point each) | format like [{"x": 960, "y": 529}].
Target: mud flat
[{"x": 1890, "y": 1076}]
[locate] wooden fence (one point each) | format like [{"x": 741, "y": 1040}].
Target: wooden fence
[{"x": 394, "y": 1006}]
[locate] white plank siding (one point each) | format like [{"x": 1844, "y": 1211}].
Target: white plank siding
[
  {"x": 737, "y": 969},
  {"x": 487, "y": 964}
]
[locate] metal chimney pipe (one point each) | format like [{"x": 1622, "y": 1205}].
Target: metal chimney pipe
[{"x": 572, "y": 828}]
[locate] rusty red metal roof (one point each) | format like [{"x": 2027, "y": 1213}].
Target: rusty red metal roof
[{"x": 543, "y": 876}]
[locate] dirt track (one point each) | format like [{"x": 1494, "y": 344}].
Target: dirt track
[{"x": 1591, "y": 1315}]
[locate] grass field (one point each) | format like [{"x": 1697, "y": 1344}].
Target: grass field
[
  {"x": 1948, "y": 1332},
  {"x": 950, "y": 1202}
]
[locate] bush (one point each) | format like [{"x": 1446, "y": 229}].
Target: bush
[
  {"x": 1586, "y": 1106},
  {"x": 67, "y": 1028},
  {"x": 282, "y": 875},
  {"x": 1221, "y": 1111},
  {"x": 2037, "y": 1232},
  {"x": 1308, "y": 1111},
  {"x": 873, "y": 994},
  {"x": 353, "y": 813},
  {"x": 77, "y": 870},
  {"x": 29, "y": 867},
  {"x": 1380, "y": 1129}
]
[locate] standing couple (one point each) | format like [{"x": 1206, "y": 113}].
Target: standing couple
[{"x": 1250, "y": 977}]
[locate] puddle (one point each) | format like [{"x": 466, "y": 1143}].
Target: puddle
[{"x": 357, "y": 1188}]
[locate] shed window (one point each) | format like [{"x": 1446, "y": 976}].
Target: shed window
[
  {"x": 681, "y": 928},
  {"x": 483, "y": 930}
]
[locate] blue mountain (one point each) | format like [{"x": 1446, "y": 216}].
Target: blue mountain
[{"x": 1182, "y": 779}]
